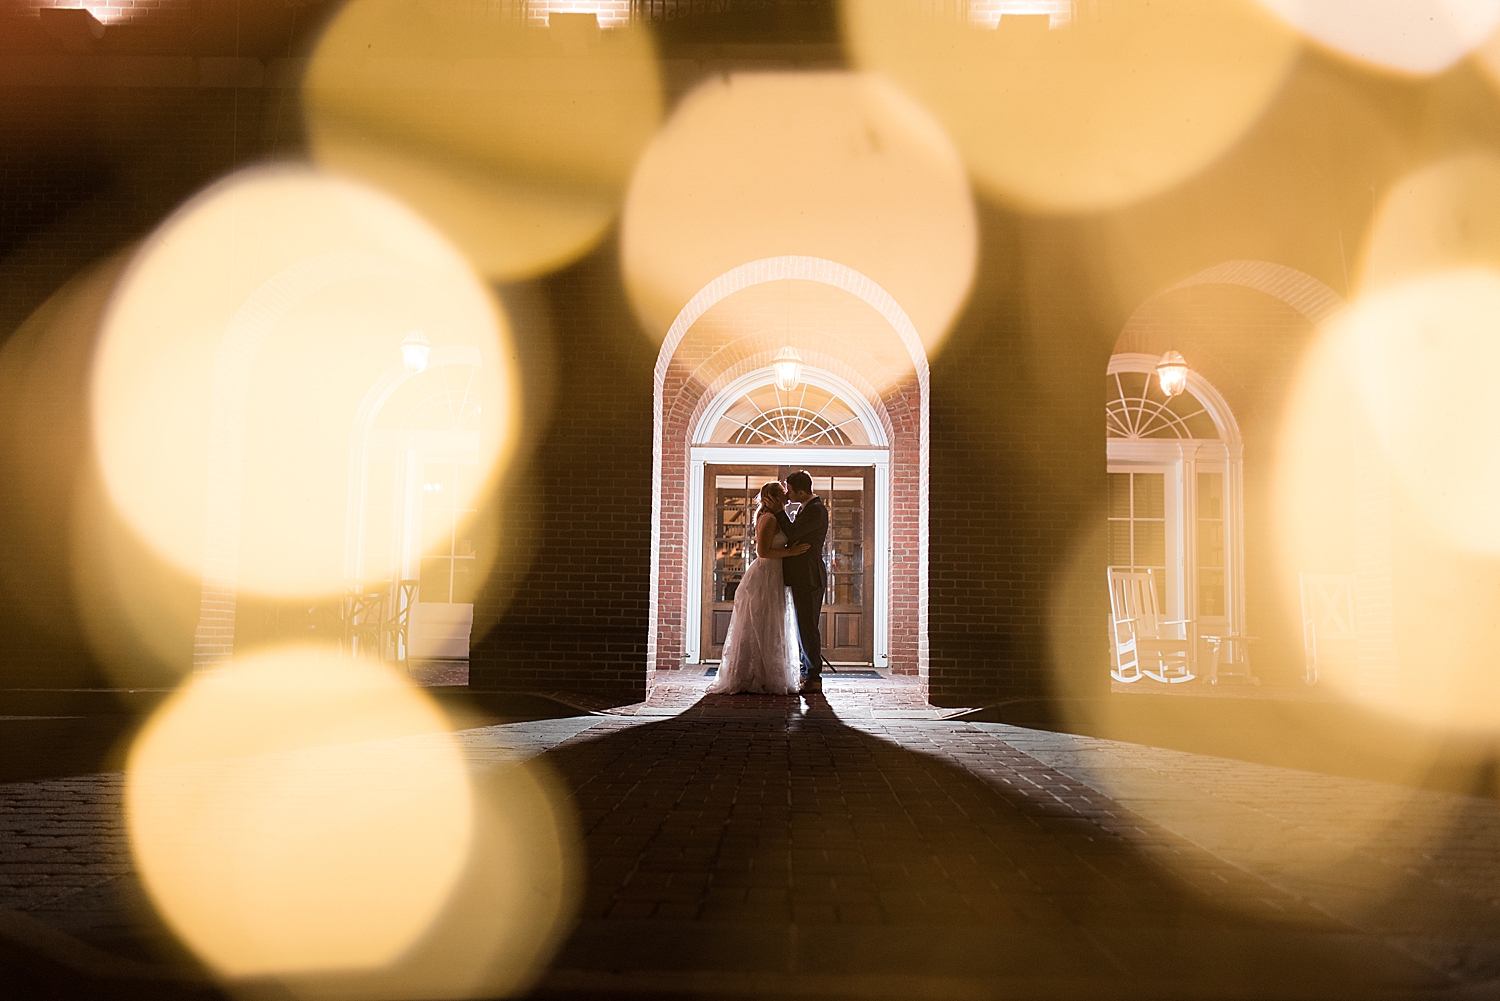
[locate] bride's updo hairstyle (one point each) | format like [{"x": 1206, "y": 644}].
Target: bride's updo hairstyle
[{"x": 772, "y": 491}]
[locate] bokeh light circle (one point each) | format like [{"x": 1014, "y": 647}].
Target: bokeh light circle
[
  {"x": 1408, "y": 37},
  {"x": 1442, "y": 217},
  {"x": 1427, "y": 352},
  {"x": 1110, "y": 109},
  {"x": 1424, "y": 338},
  {"x": 239, "y": 357},
  {"x": 1385, "y": 466},
  {"x": 298, "y": 814},
  {"x": 517, "y": 146},
  {"x": 837, "y": 166}
]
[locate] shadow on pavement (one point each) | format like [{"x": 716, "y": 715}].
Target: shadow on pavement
[{"x": 758, "y": 845}]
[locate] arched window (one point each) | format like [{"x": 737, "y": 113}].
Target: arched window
[
  {"x": 807, "y": 415},
  {"x": 1175, "y": 492},
  {"x": 418, "y": 463},
  {"x": 1137, "y": 409}
]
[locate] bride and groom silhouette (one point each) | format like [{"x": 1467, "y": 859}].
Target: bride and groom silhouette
[{"x": 773, "y": 636}]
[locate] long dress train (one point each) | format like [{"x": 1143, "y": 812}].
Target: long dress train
[{"x": 760, "y": 650}]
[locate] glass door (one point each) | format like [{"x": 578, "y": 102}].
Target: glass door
[
  {"x": 847, "y": 627},
  {"x": 730, "y": 494}
]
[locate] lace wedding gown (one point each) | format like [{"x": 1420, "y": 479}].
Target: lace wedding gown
[{"x": 760, "y": 650}]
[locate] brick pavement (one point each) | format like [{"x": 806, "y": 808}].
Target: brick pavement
[{"x": 750, "y": 845}]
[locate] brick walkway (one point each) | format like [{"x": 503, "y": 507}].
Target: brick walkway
[
  {"x": 859, "y": 845},
  {"x": 892, "y": 697}
]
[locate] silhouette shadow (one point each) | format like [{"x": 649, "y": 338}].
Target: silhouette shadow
[{"x": 764, "y": 837}]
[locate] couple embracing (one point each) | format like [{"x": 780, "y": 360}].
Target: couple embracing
[{"x": 773, "y": 630}]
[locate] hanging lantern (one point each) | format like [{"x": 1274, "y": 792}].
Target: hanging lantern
[
  {"x": 788, "y": 367},
  {"x": 1172, "y": 370},
  {"x": 414, "y": 350}
]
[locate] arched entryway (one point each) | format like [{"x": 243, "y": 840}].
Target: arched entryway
[
  {"x": 753, "y": 431},
  {"x": 857, "y": 420}
]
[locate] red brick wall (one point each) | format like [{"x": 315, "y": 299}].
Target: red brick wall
[
  {"x": 1018, "y": 477},
  {"x": 565, "y": 607},
  {"x": 611, "y": 13}
]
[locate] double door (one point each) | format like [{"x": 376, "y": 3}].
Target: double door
[{"x": 730, "y": 494}]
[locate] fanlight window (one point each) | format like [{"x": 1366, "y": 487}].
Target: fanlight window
[
  {"x": 1137, "y": 408},
  {"x": 444, "y": 398},
  {"x": 806, "y": 415}
]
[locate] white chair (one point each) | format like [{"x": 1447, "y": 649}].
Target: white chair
[
  {"x": 1328, "y": 634},
  {"x": 1127, "y": 662},
  {"x": 1167, "y": 644}
]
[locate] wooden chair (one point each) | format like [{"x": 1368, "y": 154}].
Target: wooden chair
[
  {"x": 1166, "y": 644},
  {"x": 396, "y": 628},
  {"x": 363, "y": 614},
  {"x": 1328, "y": 633}
]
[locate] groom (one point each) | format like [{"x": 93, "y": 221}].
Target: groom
[{"x": 805, "y": 574}]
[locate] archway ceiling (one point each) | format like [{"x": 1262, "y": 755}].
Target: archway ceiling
[{"x": 826, "y": 325}]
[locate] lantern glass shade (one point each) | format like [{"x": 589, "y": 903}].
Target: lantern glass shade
[
  {"x": 788, "y": 366},
  {"x": 1172, "y": 370},
  {"x": 414, "y": 350}
]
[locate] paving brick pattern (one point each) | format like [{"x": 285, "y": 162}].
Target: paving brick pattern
[
  {"x": 788, "y": 840},
  {"x": 889, "y": 697},
  {"x": 59, "y": 838},
  {"x": 751, "y": 845}
]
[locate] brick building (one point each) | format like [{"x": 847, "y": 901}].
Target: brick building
[{"x": 979, "y": 472}]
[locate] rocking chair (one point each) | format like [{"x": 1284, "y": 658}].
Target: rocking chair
[{"x": 1167, "y": 644}]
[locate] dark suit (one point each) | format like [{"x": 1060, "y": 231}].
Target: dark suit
[{"x": 808, "y": 578}]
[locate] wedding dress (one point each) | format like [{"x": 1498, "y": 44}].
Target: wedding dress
[{"x": 760, "y": 650}]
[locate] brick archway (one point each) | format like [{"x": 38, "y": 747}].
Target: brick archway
[
  {"x": 696, "y": 362},
  {"x": 1371, "y": 506}
]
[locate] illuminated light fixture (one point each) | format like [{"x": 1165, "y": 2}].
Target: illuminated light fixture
[
  {"x": 788, "y": 367},
  {"x": 415, "y": 348},
  {"x": 1172, "y": 370}
]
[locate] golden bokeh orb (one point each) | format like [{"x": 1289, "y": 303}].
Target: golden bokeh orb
[
  {"x": 240, "y": 356},
  {"x": 516, "y": 143},
  {"x": 1105, "y": 109},
  {"x": 841, "y": 167},
  {"x": 1403, "y": 37},
  {"x": 298, "y": 814}
]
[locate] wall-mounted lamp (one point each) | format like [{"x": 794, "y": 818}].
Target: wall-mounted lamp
[
  {"x": 415, "y": 348},
  {"x": 788, "y": 365},
  {"x": 1172, "y": 370}
]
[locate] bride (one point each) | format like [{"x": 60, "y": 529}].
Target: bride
[{"x": 760, "y": 649}]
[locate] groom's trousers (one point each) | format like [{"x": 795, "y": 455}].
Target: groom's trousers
[{"x": 809, "y": 606}]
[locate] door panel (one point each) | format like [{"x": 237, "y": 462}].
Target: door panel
[
  {"x": 847, "y": 631},
  {"x": 729, "y": 493},
  {"x": 847, "y": 626}
]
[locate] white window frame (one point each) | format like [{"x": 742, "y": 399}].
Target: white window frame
[
  {"x": 703, "y": 453},
  {"x": 410, "y": 450},
  {"x": 1182, "y": 459}
]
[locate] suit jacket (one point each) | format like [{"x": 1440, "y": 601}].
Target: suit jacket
[{"x": 806, "y": 572}]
